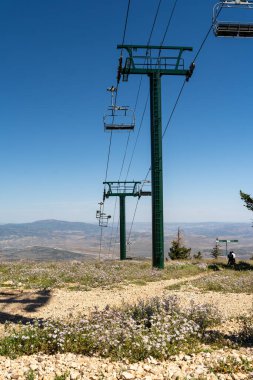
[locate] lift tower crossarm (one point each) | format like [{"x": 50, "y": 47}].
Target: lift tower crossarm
[
  {"x": 144, "y": 63},
  {"x": 118, "y": 188}
]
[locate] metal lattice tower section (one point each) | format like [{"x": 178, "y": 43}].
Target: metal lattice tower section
[
  {"x": 155, "y": 61},
  {"x": 123, "y": 189}
]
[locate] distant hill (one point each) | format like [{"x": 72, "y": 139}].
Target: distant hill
[
  {"x": 208, "y": 229},
  {"x": 45, "y": 228},
  {"x": 198, "y": 236},
  {"x": 219, "y": 229},
  {"x": 62, "y": 240},
  {"x": 43, "y": 254}
]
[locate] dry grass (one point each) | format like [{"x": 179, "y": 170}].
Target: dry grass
[{"x": 86, "y": 275}]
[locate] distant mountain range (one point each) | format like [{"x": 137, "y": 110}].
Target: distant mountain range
[
  {"x": 210, "y": 229},
  {"x": 45, "y": 228},
  {"x": 63, "y": 240},
  {"x": 198, "y": 236}
]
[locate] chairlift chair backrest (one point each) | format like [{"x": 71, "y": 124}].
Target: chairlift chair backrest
[{"x": 232, "y": 28}]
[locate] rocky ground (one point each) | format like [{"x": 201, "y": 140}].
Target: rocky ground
[
  {"x": 197, "y": 366},
  {"x": 58, "y": 303}
]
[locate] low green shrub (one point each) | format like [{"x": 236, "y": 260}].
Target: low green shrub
[
  {"x": 232, "y": 365},
  {"x": 205, "y": 316},
  {"x": 246, "y": 330},
  {"x": 30, "y": 375}
]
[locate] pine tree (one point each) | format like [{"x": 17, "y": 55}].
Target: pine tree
[
  {"x": 198, "y": 256},
  {"x": 247, "y": 200},
  {"x": 177, "y": 250},
  {"x": 216, "y": 251}
]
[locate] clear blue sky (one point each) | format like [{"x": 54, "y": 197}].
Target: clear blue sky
[{"x": 57, "y": 59}]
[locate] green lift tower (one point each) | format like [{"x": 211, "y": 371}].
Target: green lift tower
[
  {"x": 155, "y": 61},
  {"x": 123, "y": 189}
]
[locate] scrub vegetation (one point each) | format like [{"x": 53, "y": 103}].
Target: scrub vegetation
[
  {"x": 157, "y": 327},
  {"x": 87, "y": 275}
]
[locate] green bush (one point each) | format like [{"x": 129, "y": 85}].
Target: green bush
[
  {"x": 246, "y": 331},
  {"x": 178, "y": 252}
]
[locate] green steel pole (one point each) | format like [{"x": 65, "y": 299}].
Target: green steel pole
[
  {"x": 122, "y": 199},
  {"x": 156, "y": 171}
]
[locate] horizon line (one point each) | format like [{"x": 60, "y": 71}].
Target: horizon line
[{"x": 127, "y": 222}]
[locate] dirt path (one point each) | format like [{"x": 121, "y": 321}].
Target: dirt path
[
  {"x": 25, "y": 305},
  {"x": 62, "y": 304}
]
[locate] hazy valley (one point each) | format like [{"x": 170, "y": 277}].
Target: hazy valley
[{"x": 61, "y": 240}]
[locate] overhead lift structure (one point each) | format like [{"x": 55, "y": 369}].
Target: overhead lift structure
[
  {"x": 230, "y": 28},
  {"x": 123, "y": 189},
  {"x": 155, "y": 61},
  {"x": 118, "y": 118},
  {"x": 102, "y": 216}
]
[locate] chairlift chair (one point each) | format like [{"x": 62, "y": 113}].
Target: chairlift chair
[
  {"x": 119, "y": 118},
  {"x": 232, "y": 28},
  {"x": 102, "y": 216},
  {"x": 103, "y": 219},
  {"x": 128, "y": 246},
  {"x": 98, "y": 212}
]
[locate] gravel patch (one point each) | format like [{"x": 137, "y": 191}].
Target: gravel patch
[
  {"x": 63, "y": 304},
  {"x": 196, "y": 366}
]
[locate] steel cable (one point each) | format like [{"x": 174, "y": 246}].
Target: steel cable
[
  {"x": 182, "y": 88},
  {"x": 110, "y": 141},
  {"x": 136, "y": 141},
  {"x": 138, "y": 93}
]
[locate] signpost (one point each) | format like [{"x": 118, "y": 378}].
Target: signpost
[{"x": 226, "y": 241}]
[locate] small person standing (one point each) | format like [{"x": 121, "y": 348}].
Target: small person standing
[{"x": 231, "y": 258}]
